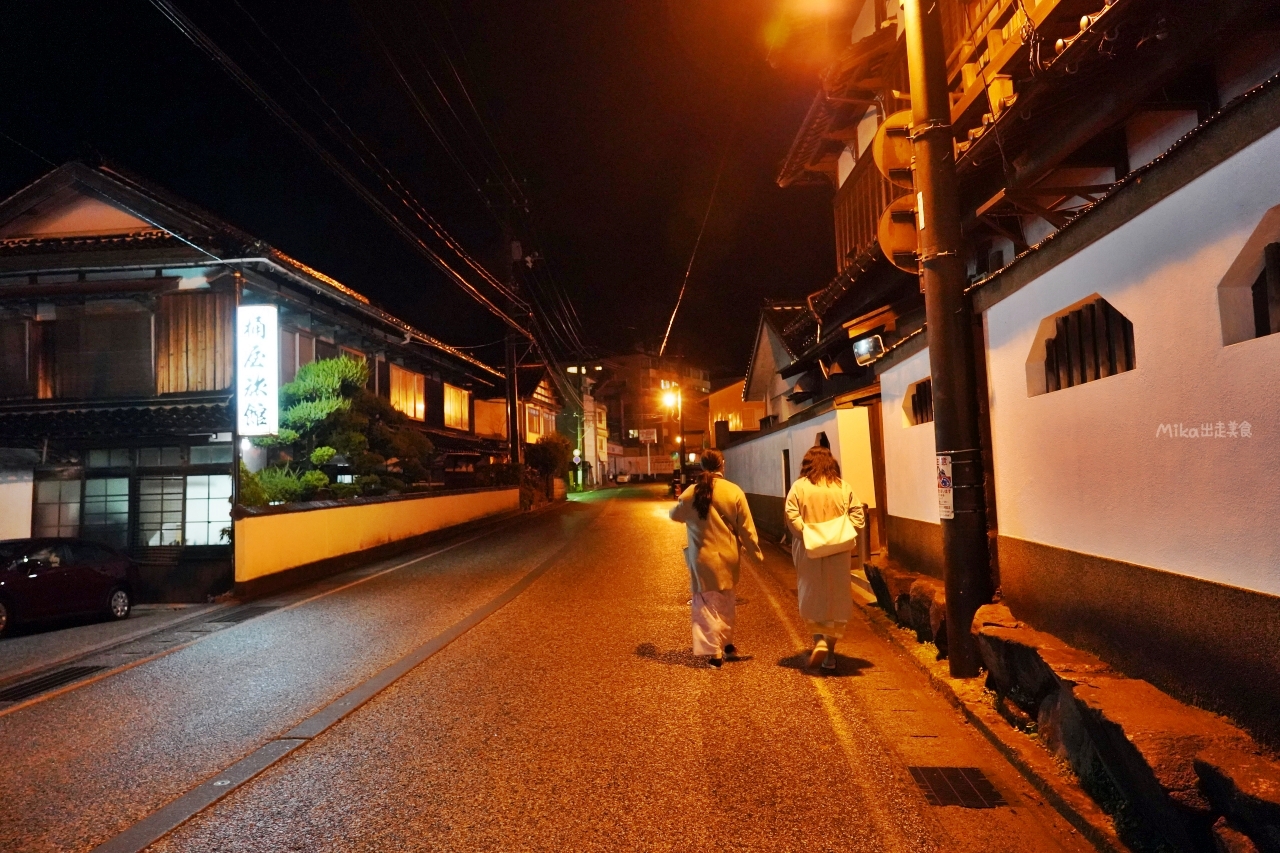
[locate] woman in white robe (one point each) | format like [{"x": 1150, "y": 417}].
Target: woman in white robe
[
  {"x": 823, "y": 585},
  {"x": 719, "y": 526}
]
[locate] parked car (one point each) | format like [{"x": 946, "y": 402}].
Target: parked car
[
  {"x": 47, "y": 578},
  {"x": 622, "y": 478}
]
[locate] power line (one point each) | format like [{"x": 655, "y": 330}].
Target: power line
[
  {"x": 696, "y": 243},
  {"x": 198, "y": 38}
]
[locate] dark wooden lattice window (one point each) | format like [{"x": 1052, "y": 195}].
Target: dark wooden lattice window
[
  {"x": 1266, "y": 294},
  {"x": 1092, "y": 342},
  {"x": 922, "y": 402}
]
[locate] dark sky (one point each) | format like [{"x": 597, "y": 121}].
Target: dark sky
[{"x": 613, "y": 115}]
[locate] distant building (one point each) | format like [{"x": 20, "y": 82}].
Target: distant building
[
  {"x": 736, "y": 415},
  {"x": 637, "y": 388}
]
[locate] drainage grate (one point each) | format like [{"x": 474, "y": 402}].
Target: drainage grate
[
  {"x": 48, "y": 681},
  {"x": 235, "y": 617},
  {"x": 957, "y": 786}
]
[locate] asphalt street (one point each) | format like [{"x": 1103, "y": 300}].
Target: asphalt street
[{"x": 569, "y": 715}]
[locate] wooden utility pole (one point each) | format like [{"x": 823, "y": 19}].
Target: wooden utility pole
[
  {"x": 947, "y": 312},
  {"x": 513, "y": 398}
]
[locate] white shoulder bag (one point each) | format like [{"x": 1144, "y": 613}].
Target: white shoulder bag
[{"x": 834, "y": 536}]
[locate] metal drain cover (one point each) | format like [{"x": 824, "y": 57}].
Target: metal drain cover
[
  {"x": 966, "y": 787},
  {"x": 46, "y": 682},
  {"x": 244, "y": 613}
]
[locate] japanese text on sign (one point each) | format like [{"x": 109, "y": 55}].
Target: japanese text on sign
[
  {"x": 257, "y": 370},
  {"x": 946, "y": 489}
]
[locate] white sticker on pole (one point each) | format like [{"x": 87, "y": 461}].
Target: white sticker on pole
[
  {"x": 920, "y": 211},
  {"x": 257, "y": 370},
  {"x": 946, "y": 489}
]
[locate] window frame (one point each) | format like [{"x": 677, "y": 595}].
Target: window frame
[
  {"x": 455, "y": 396},
  {"x": 417, "y": 404}
]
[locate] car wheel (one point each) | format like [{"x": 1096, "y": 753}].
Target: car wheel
[
  {"x": 6, "y": 616},
  {"x": 119, "y": 603}
]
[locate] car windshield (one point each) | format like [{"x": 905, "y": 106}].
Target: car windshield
[{"x": 9, "y": 551}]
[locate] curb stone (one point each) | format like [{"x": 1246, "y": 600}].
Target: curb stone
[{"x": 1035, "y": 764}]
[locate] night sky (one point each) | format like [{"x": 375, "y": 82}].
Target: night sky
[{"x": 611, "y": 116}]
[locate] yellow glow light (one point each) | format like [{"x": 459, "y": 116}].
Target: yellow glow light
[{"x": 669, "y": 399}]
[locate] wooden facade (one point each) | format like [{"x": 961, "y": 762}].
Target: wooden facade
[{"x": 194, "y": 341}]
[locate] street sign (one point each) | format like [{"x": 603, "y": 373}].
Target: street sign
[
  {"x": 898, "y": 234},
  {"x": 891, "y": 149},
  {"x": 649, "y": 436},
  {"x": 946, "y": 489}
]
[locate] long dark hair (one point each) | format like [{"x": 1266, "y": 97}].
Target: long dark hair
[
  {"x": 819, "y": 466},
  {"x": 712, "y": 464}
]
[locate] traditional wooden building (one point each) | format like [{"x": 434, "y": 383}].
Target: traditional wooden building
[{"x": 118, "y": 369}]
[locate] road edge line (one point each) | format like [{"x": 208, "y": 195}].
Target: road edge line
[
  {"x": 125, "y": 667},
  {"x": 150, "y": 829}
]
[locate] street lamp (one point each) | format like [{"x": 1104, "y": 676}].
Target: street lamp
[{"x": 674, "y": 399}]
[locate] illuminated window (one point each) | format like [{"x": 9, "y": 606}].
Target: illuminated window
[
  {"x": 160, "y": 510},
  {"x": 351, "y": 353},
  {"x": 57, "y": 508},
  {"x": 208, "y": 509},
  {"x": 408, "y": 393},
  {"x": 532, "y": 422},
  {"x": 548, "y": 423},
  {"x": 106, "y": 510},
  {"x": 457, "y": 407}
]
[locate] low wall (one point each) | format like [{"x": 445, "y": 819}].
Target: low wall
[
  {"x": 272, "y": 540},
  {"x": 1206, "y": 643},
  {"x": 916, "y": 545}
]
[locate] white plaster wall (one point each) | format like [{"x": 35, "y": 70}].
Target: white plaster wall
[
  {"x": 855, "y": 452},
  {"x": 756, "y": 465},
  {"x": 911, "y": 469},
  {"x": 16, "y": 489},
  {"x": 1082, "y": 468}
]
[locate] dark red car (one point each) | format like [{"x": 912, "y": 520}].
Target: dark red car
[{"x": 47, "y": 578}]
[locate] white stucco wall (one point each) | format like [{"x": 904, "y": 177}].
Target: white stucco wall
[
  {"x": 1083, "y": 468},
  {"x": 756, "y": 465},
  {"x": 16, "y": 489},
  {"x": 911, "y": 470}
]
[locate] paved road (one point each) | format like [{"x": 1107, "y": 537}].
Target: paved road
[{"x": 573, "y": 718}]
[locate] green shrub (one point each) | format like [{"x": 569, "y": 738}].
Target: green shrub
[
  {"x": 281, "y": 484},
  {"x": 321, "y": 456},
  {"x": 251, "y": 492},
  {"x": 551, "y": 456},
  {"x": 312, "y": 481}
]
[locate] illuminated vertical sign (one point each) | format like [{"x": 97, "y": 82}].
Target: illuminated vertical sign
[{"x": 257, "y": 370}]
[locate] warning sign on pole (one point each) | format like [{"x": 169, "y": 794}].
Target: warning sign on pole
[{"x": 946, "y": 489}]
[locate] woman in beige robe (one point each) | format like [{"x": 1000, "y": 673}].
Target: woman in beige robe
[
  {"x": 719, "y": 527},
  {"x": 823, "y": 585}
]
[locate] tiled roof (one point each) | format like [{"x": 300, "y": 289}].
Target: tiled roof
[
  {"x": 808, "y": 141},
  {"x": 1134, "y": 178},
  {"x": 65, "y": 420},
  {"x": 52, "y": 245}
]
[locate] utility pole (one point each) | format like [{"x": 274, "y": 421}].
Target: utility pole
[
  {"x": 513, "y": 399},
  {"x": 947, "y": 312}
]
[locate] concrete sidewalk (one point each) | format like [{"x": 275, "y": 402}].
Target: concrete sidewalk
[{"x": 31, "y": 648}]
